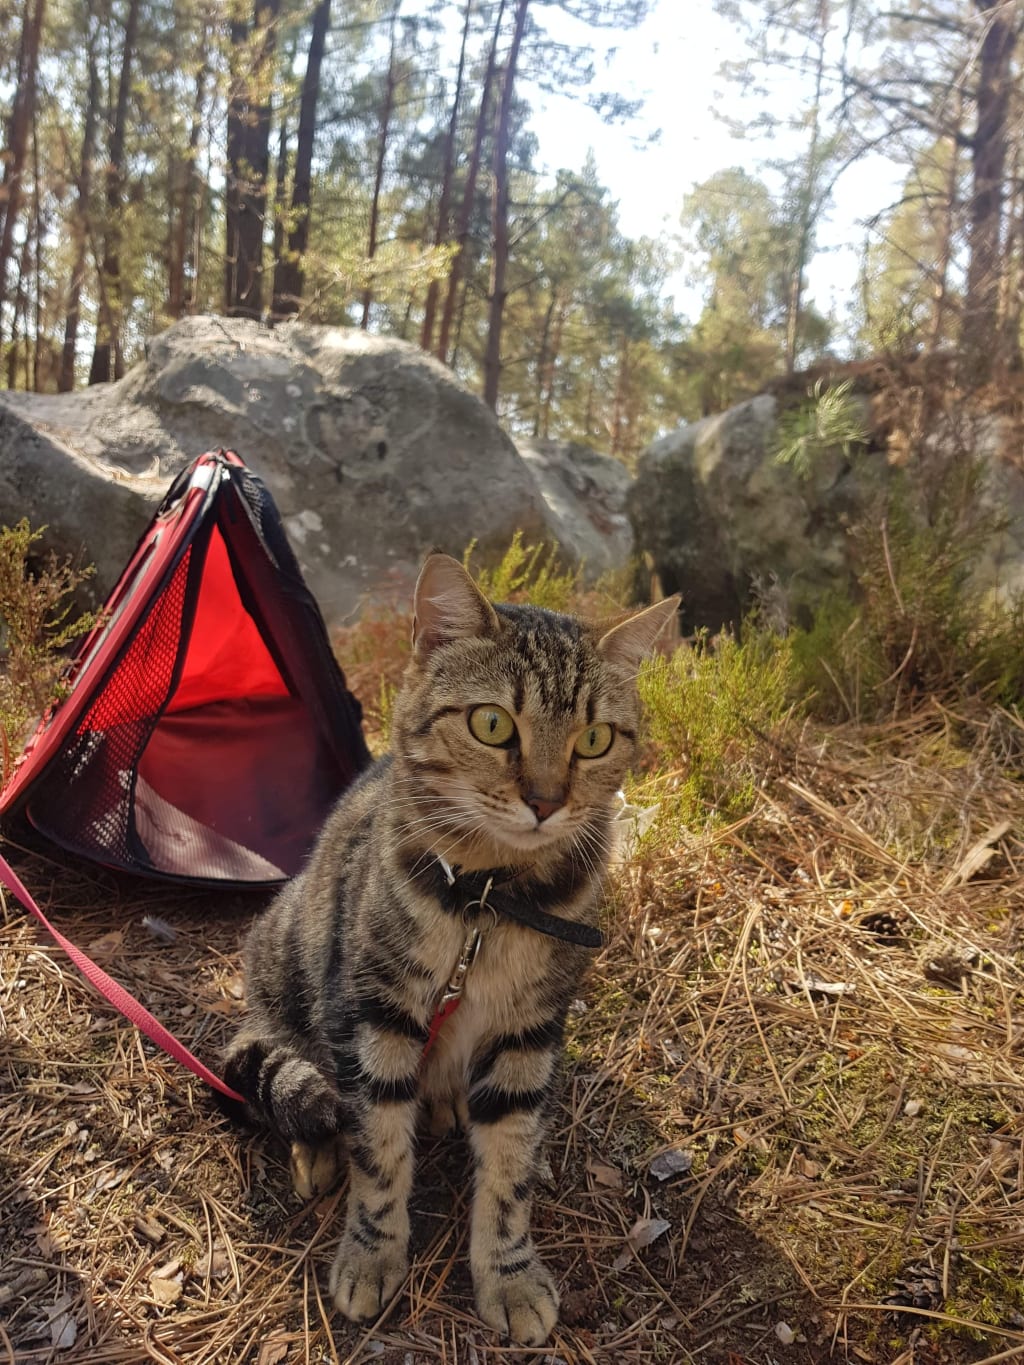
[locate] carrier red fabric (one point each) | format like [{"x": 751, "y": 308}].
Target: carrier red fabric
[{"x": 208, "y": 729}]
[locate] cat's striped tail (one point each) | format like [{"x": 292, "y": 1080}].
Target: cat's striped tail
[{"x": 284, "y": 1090}]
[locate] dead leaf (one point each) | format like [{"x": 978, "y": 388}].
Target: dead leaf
[
  {"x": 743, "y": 1138},
  {"x": 150, "y": 1228},
  {"x": 222, "y": 1007},
  {"x": 273, "y": 1350},
  {"x": 643, "y": 1232},
  {"x": 107, "y": 944},
  {"x": 816, "y": 986},
  {"x": 157, "y": 972},
  {"x": 110, "y": 1178},
  {"x": 977, "y": 855},
  {"x": 48, "y": 1241},
  {"x": 675, "y": 1161},
  {"x": 63, "y": 1332},
  {"x": 213, "y": 1263},
  {"x": 608, "y": 1176},
  {"x": 165, "y": 1290},
  {"x": 24, "y": 1284}
]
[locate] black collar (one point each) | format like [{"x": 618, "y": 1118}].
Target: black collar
[{"x": 495, "y": 889}]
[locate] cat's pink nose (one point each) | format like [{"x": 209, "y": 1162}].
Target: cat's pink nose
[{"x": 543, "y": 807}]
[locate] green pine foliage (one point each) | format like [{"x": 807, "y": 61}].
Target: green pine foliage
[{"x": 830, "y": 422}]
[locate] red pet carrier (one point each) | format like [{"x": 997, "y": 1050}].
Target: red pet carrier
[{"x": 208, "y": 728}]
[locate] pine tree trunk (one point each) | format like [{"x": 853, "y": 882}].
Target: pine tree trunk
[
  {"x": 80, "y": 221},
  {"x": 988, "y": 153},
  {"x": 194, "y": 251},
  {"x": 469, "y": 197},
  {"x": 39, "y": 330},
  {"x": 19, "y": 128},
  {"x": 619, "y": 400},
  {"x": 1011, "y": 303},
  {"x": 378, "y": 175},
  {"x": 183, "y": 204},
  {"x": 248, "y": 154},
  {"x": 107, "y": 349},
  {"x": 554, "y": 351},
  {"x": 542, "y": 362},
  {"x": 808, "y": 192},
  {"x": 280, "y": 216},
  {"x": 20, "y": 311},
  {"x": 588, "y": 411},
  {"x": 289, "y": 272},
  {"x": 447, "y": 176},
  {"x": 499, "y": 217},
  {"x": 940, "y": 290},
  {"x": 460, "y": 322}
]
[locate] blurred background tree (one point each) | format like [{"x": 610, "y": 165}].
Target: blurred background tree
[{"x": 377, "y": 163}]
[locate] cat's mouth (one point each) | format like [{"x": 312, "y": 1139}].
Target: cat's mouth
[
  {"x": 526, "y": 832},
  {"x": 501, "y": 820}
]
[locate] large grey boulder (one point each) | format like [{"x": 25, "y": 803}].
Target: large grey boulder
[
  {"x": 373, "y": 452},
  {"x": 585, "y": 503},
  {"x": 994, "y": 441},
  {"x": 93, "y": 512},
  {"x": 716, "y": 515},
  {"x": 720, "y": 520}
]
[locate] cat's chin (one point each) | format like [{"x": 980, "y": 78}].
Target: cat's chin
[{"x": 534, "y": 840}]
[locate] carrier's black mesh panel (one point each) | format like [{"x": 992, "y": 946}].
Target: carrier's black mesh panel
[{"x": 85, "y": 798}]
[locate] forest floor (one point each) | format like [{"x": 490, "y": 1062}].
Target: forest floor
[{"x": 790, "y": 1129}]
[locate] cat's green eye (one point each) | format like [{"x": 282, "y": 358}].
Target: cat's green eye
[
  {"x": 595, "y": 741},
  {"x": 491, "y": 725}
]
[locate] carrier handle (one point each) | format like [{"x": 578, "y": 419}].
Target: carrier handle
[
  {"x": 199, "y": 473},
  {"x": 116, "y": 994}
]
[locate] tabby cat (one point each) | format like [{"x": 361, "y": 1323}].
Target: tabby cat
[{"x": 464, "y": 868}]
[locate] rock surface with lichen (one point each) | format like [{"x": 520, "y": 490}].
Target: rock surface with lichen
[{"x": 374, "y": 452}]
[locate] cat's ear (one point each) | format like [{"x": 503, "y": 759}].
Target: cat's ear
[
  {"x": 447, "y": 605},
  {"x": 628, "y": 642}
]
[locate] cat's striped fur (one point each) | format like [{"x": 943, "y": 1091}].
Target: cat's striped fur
[{"x": 346, "y": 969}]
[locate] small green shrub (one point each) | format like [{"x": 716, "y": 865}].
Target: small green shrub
[
  {"x": 708, "y": 710},
  {"x": 919, "y": 625},
  {"x": 529, "y": 573},
  {"x": 837, "y": 664},
  {"x": 37, "y": 623}
]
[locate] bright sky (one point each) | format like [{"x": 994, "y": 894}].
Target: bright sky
[{"x": 673, "y": 61}]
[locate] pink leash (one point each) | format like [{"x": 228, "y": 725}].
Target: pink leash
[{"x": 117, "y": 995}]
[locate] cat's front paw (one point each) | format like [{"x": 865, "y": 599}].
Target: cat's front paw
[
  {"x": 315, "y": 1169},
  {"x": 522, "y": 1306},
  {"x": 363, "y": 1282}
]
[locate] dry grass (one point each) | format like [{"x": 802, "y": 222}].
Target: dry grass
[{"x": 819, "y": 1007}]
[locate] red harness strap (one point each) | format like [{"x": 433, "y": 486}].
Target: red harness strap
[
  {"x": 452, "y": 998},
  {"x": 444, "y": 1011},
  {"x": 116, "y": 994}
]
